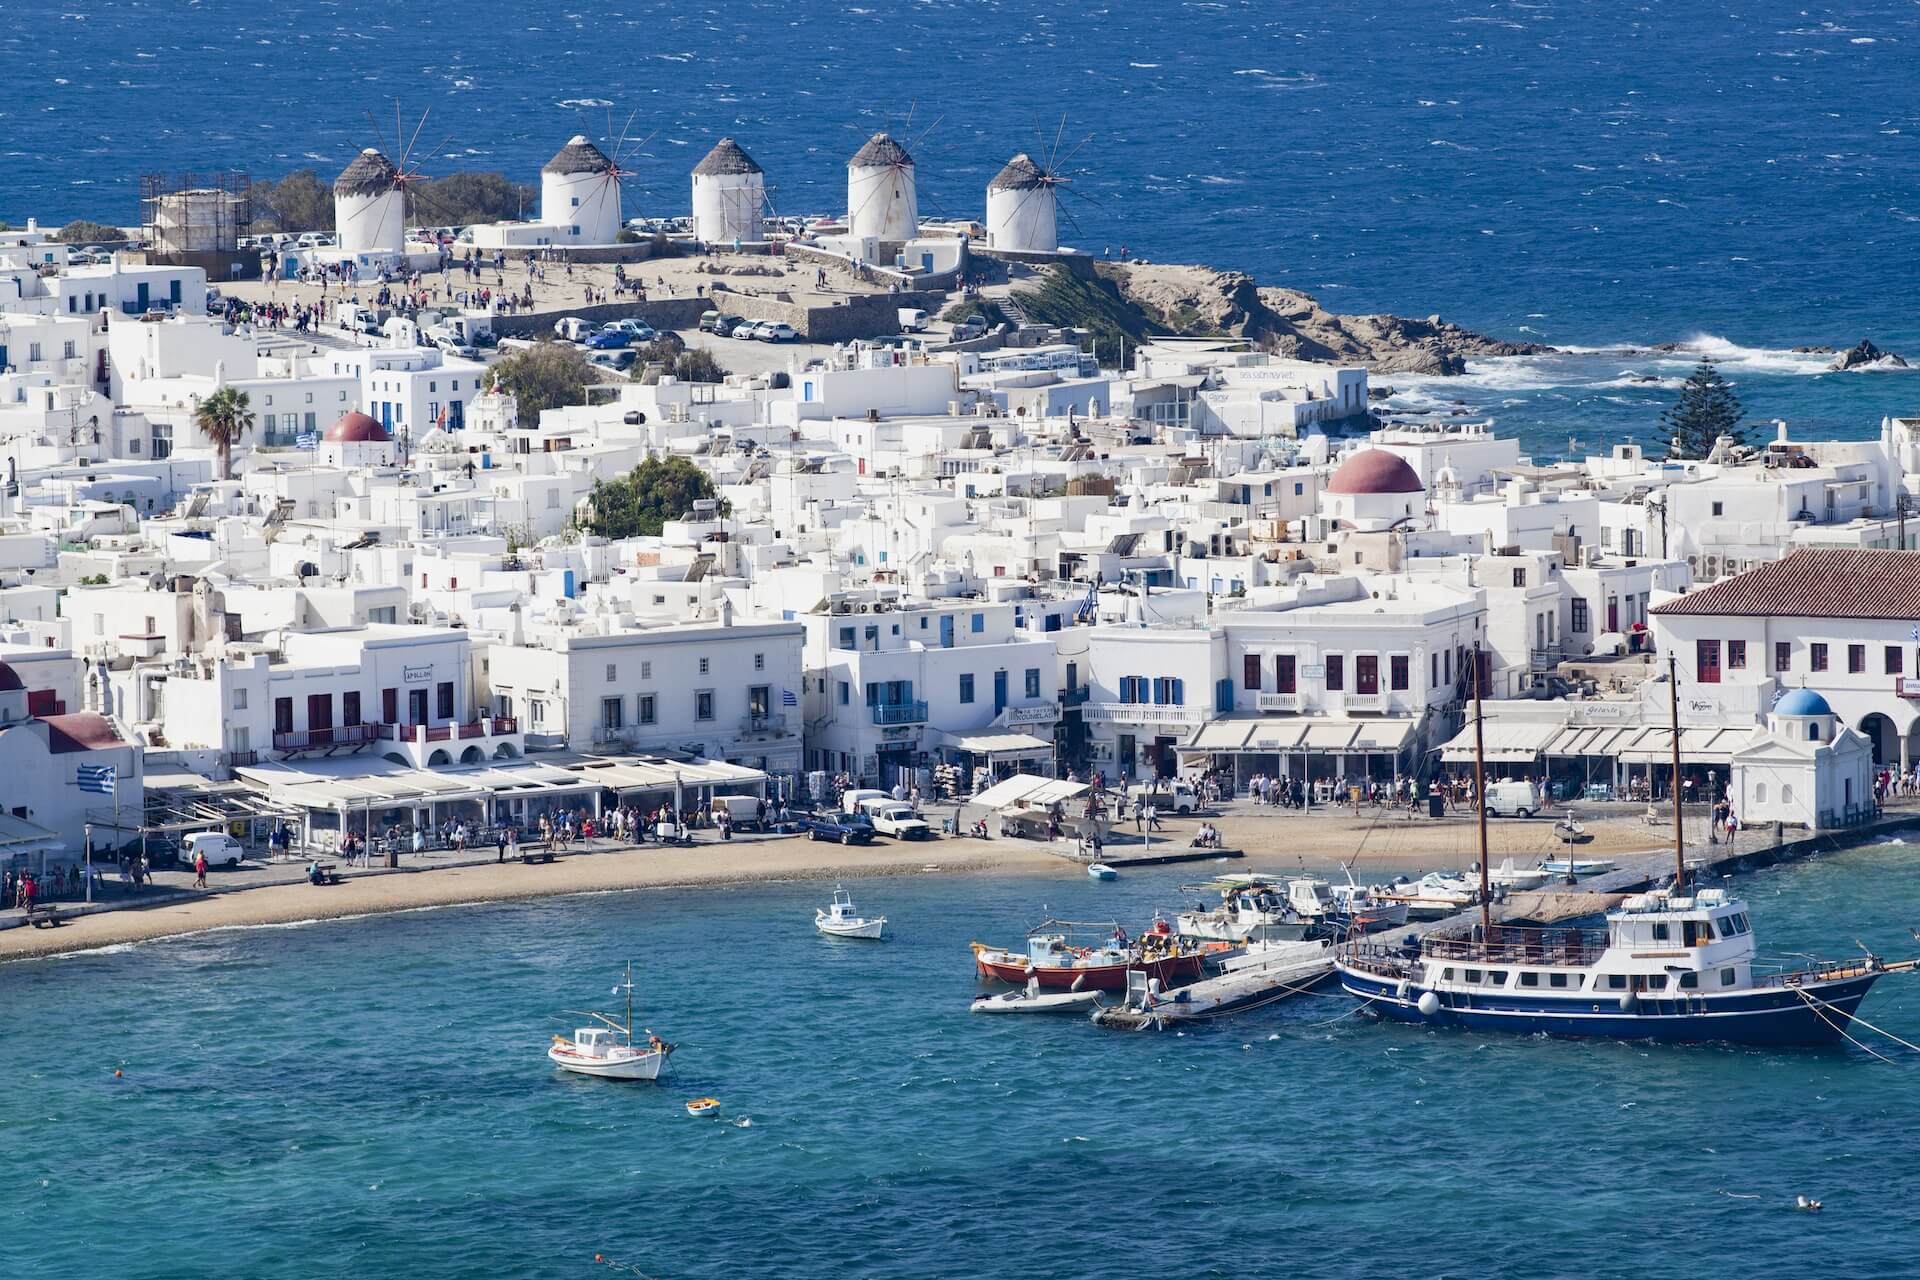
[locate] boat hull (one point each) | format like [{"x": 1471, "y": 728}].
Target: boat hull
[
  {"x": 1759, "y": 1016},
  {"x": 1106, "y": 977},
  {"x": 636, "y": 1066},
  {"x": 871, "y": 930},
  {"x": 1055, "y": 1002}
]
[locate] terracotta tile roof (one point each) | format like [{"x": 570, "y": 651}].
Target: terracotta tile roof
[
  {"x": 1817, "y": 582},
  {"x": 80, "y": 731}
]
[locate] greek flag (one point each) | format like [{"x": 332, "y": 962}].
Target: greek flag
[
  {"x": 787, "y": 699},
  {"x": 97, "y": 778},
  {"x": 307, "y": 440}
]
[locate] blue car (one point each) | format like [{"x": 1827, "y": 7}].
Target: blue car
[{"x": 608, "y": 340}]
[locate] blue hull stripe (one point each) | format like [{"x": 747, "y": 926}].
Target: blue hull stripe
[{"x": 1772, "y": 1015}]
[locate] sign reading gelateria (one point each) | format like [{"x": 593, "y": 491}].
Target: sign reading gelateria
[{"x": 416, "y": 675}]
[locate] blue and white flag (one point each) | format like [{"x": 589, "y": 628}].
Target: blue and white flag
[
  {"x": 307, "y": 440},
  {"x": 787, "y": 699},
  {"x": 97, "y": 778}
]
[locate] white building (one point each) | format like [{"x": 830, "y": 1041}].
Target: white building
[{"x": 1806, "y": 770}]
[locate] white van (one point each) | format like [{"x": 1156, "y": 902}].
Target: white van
[
  {"x": 742, "y": 811},
  {"x": 1513, "y": 799},
  {"x": 853, "y": 797},
  {"x": 912, "y": 320},
  {"x": 1166, "y": 795},
  {"x": 222, "y": 850}
]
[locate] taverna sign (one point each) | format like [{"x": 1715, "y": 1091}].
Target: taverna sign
[{"x": 416, "y": 675}]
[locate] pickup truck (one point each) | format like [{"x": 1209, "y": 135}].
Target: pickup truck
[
  {"x": 897, "y": 819},
  {"x": 846, "y": 828}
]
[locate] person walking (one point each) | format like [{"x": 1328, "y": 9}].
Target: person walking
[
  {"x": 200, "y": 869},
  {"x": 500, "y": 844}
]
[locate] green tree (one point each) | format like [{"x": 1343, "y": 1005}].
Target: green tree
[
  {"x": 546, "y": 375},
  {"x": 83, "y": 232},
  {"x": 462, "y": 199},
  {"x": 1706, "y": 410},
  {"x": 223, "y": 418},
  {"x": 669, "y": 355},
  {"x": 297, "y": 202},
  {"x": 640, "y": 502}
]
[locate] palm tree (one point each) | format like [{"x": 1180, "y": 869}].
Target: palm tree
[{"x": 223, "y": 418}]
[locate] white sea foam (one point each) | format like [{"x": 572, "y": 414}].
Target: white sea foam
[{"x": 1732, "y": 355}]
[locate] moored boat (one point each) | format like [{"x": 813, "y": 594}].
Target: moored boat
[
  {"x": 1031, "y": 999},
  {"x": 843, "y": 920},
  {"x": 1101, "y": 871},
  {"x": 1431, "y": 897},
  {"x": 1508, "y": 876},
  {"x": 609, "y": 1050},
  {"x": 1060, "y": 956}
]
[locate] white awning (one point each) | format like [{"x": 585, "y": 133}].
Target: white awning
[
  {"x": 1275, "y": 736},
  {"x": 998, "y": 744},
  {"x": 1703, "y": 745},
  {"x": 1504, "y": 743},
  {"x": 1030, "y": 789},
  {"x": 1220, "y": 735},
  {"x": 659, "y": 775},
  {"x": 1331, "y": 738}
]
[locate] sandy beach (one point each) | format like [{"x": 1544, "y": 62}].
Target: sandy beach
[
  {"x": 1273, "y": 840},
  {"x": 648, "y": 868}
]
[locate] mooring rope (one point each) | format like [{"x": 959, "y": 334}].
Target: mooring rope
[
  {"x": 1814, "y": 1005},
  {"x": 1862, "y": 1021}
]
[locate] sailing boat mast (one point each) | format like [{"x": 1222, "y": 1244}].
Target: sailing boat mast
[
  {"x": 1480, "y": 802},
  {"x": 1679, "y": 831}
]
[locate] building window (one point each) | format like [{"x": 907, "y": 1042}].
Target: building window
[
  {"x": 1817, "y": 657},
  {"x": 1283, "y": 673},
  {"x": 1366, "y": 673},
  {"x": 1336, "y": 672},
  {"x": 239, "y": 699},
  {"x": 1736, "y": 655},
  {"x": 979, "y": 623},
  {"x": 1579, "y": 622},
  {"x": 966, "y": 688},
  {"x": 443, "y": 700},
  {"x": 612, "y": 673},
  {"x": 613, "y": 712},
  {"x": 1033, "y": 682},
  {"x": 646, "y": 669},
  {"x": 1397, "y": 670},
  {"x": 1250, "y": 671},
  {"x": 1719, "y": 508},
  {"x": 1856, "y": 659},
  {"x": 1519, "y": 577},
  {"x": 843, "y": 692},
  {"x": 1893, "y": 659},
  {"x": 645, "y": 708},
  {"x": 704, "y": 663},
  {"x": 1706, "y": 661},
  {"x": 1169, "y": 691},
  {"x": 350, "y": 707},
  {"x": 703, "y": 705},
  {"x": 1782, "y": 654},
  {"x": 759, "y": 662}
]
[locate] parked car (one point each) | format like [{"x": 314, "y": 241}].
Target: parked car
[
  {"x": 221, "y": 849},
  {"x": 896, "y": 818},
  {"x": 846, "y": 828},
  {"x": 776, "y": 331},
  {"x": 162, "y": 850},
  {"x": 608, "y": 340},
  {"x": 713, "y": 322},
  {"x": 634, "y": 329},
  {"x": 454, "y": 347},
  {"x": 571, "y": 328},
  {"x": 745, "y": 330},
  {"x": 1168, "y": 795},
  {"x": 970, "y": 328},
  {"x": 619, "y": 361}
]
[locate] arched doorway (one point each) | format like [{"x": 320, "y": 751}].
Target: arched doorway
[{"x": 1879, "y": 731}]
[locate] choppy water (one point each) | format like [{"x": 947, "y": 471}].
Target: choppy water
[
  {"x": 1579, "y": 172},
  {"x": 370, "y": 1098}
]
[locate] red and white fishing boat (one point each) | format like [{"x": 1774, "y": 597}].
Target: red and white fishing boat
[{"x": 1080, "y": 956}]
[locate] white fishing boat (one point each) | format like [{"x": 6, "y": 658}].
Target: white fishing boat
[
  {"x": 1577, "y": 867},
  {"x": 1569, "y": 831},
  {"x": 843, "y": 920},
  {"x": 1508, "y": 876},
  {"x": 1101, "y": 871},
  {"x": 1031, "y": 999},
  {"x": 1248, "y": 909},
  {"x": 609, "y": 1050},
  {"x": 1432, "y": 896}
]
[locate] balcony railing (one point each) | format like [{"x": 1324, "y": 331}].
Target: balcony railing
[
  {"x": 885, "y": 713},
  {"x": 494, "y": 725},
  {"x": 1076, "y": 696},
  {"x": 346, "y": 735}
]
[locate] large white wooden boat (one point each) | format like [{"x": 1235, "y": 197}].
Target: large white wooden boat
[
  {"x": 608, "y": 1049},
  {"x": 843, "y": 920}
]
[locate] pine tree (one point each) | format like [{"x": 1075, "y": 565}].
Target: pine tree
[{"x": 1706, "y": 410}]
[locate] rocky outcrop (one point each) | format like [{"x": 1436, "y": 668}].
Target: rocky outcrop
[
  {"x": 1863, "y": 354},
  {"x": 1193, "y": 301}
]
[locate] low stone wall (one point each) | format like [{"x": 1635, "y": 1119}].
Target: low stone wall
[{"x": 861, "y": 315}]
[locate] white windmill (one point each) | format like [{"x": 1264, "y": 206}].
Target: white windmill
[
  {"x": 373, "y": 197},
  {"x": 882, "y": 203},
  {"x": 580, "y": 190},
  {"x": 1023, "y": 200},
  {"x": 729, "y": 194}
]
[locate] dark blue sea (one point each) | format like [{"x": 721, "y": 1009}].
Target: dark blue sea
[
  {"x": 371, "y": 1098},
  {"x": 1586, "y": 173}
]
